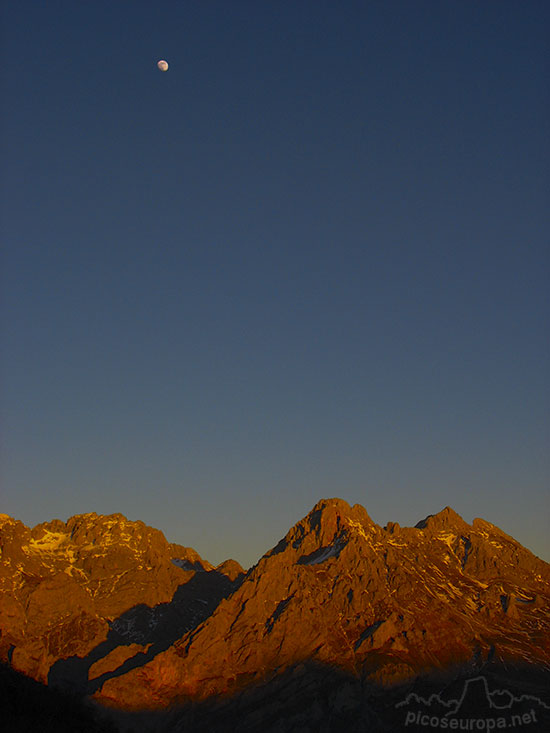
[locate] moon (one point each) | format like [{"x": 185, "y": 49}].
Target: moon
[{"x": 163, "y": 65}]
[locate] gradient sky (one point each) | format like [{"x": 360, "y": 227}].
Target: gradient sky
[{"x": 310, "y": 260}]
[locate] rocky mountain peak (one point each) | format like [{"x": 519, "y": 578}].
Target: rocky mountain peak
[
  {"x": 324, "y": 531},
  {"x": 447, "y": 518},
  {"x": 62, "y": 584},
  {"x": 330, "y": 510},
  {"x": 231, "y": 569},
  {"x": 486, "y": 528},
  {"x": 340, "y": 590},
  {"x": 142, "y": 623}
]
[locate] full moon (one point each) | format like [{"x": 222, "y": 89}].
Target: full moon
[{"x": 163, "y": 65}]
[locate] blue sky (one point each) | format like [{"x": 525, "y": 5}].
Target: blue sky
[{"x": 309, "y": 260}]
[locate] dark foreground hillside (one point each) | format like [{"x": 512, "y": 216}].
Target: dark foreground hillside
[
  {"x": 308, "y": 698},
  {"x": 28, "y": 706}
]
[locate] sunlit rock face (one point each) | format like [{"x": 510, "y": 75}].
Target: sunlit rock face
[
  {"x": 139, "y": 623},
  {"x": 388, "y": 603},
  {"x": 65, "y": 586}
]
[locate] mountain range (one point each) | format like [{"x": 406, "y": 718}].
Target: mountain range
[{"x": 333, "y": 627}]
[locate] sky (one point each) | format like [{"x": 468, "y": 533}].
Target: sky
[{"x": 309, "y": 260}]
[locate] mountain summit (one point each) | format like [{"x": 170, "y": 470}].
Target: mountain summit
[
  {"x": 65, "y": 587},
  {"x": 110, "y": 607}
]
